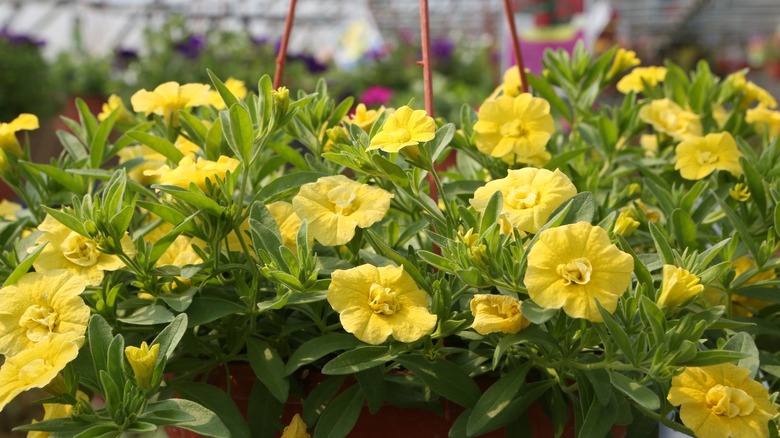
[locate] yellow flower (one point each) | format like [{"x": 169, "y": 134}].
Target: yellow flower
[
  {"x": 364, "y": 118},
  {"x": 747, "y": 306},
  {"x": 40, "y": 306},
  {"x": 37, "y": 366},
  {"x": 194, "y": 170},
  {"x": 765, "y": 120},
  {"x": 151, "y": 159},
  {"x": 376, "y": 303},
  {"x": 237, "y": 87},
  {"x": 51, "y": 410},
  {"x": 497, "y": 313},
  {"x": 9, "y": 209},
  {"x": 623, "y": 60},
  {"x": 649, "y": 143},
  {"x": 750, "y": 91},
  {"x": 573, "y": 266},
  {"x": 668, "y": 117},
  {"x": 288, "y": 223},
  {"x": 296, "y": 429},
  {"x": 677, "y": 285},
  {"x": 740, "y": 192},
  {"x": 530, "y": 196},
  {"x": 335, "y": 205},
  {"x": 405, "y": 127},
  {"x": 699, "y": 157},
  {"x": 652, "y": 214},
  {"x": 635, "y": 81},
  {"x": 77, "y": 254},
  {"x": 626, "y": 223},
  {"x": 720, "y": 114},
  {"x": 8, "y": 140},
  {"x": 143, "y": 359},
  {"x": 517, "y": 128},
  {"x": 168, "y": 98},
  {"x": 111, "y": 104},
  {"x": 721, "y": 401}
]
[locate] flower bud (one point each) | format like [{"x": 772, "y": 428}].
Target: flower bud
[
  {"x": 625, "y": 224},
  {"x": 296, "y": 429},
  {"x": 497, "y": 313},
  {"x": 740, "y": 192},
  {"x": 281, "y": 99},
  {"x": 143, "y": 360},
  {"x": 677, "y": 286}
]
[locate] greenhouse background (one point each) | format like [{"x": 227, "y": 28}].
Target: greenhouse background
[{"x": 52, "y": 51}]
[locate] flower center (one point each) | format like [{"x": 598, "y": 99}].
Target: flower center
[
  {"x": 576, "y": 271},
  {"x": 730, "y": 402},
  {"x": 399, "y": 136},
  {"x": 669, "y": 118},
  {"x": 343, "y": 200},
  {"x": 522, "y": 197},
  {"x": 39, "y": 321},
  {"x": 29, "y": 373},
  {"x": 515, "y": 128},
  {"x": 706, "y": 157},
  {"x": 80, "y": 250},
  {"x": 382, "y": 300}
]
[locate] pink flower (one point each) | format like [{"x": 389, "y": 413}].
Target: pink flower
[{"x": 376, "y": 96}]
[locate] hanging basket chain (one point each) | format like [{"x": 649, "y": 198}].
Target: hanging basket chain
[
  {"x": 281, "y": 57},
  {"x": 510, "y": 18}
]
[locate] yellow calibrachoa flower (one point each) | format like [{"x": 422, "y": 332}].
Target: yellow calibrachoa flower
[
  {"x": 375, "y": 303},
  {"x": 75, "y": 253},
  {"x": 678, "y": 285},
  {"x": 364, "y": 117},
  {"x": 668, "y": 117},
  {"x": 37, "y": 366},
  {"x": 740, "y": 192},
  {"x": 750, "y": 91},
  {"x": 652, "y": 214},
  {"x": 152, "y": 160},
  {"x": 9, "y": 209},
  {"x": 335, "y": 205},
  {"x": 110, "y": 105},
  {"x": 288, "y": 222},
  {"x": 497, "y": 313},
  {"x": 530, "y": 196},
  {"x": 8, "y": 140},
  {"x": 764, "y": 120},
  {"x": 626, "y": 223},
  {"x": 194, "y": 170},
  {"x": 623, "y": 60},
  {"x": 699, "y": 157},
  {"x": 649, "y": 143},
  {"x": 405, "y": 127},
  {"x": 41, "y": 306},
  {"x": 52, "y": 410},
  {"x": 168, "y": 98},
  {"x": 515, "y": 128},
  {"x": 143, "y": 359},
  {"x": 747, "y": 306},
  {"x": 237, "y": 87},
  {"x": 573, "y": 266},
  {"x": 296, "y": 429},
  {"x": 635, "y": 81},
  {"x": 722, "y": 401}
]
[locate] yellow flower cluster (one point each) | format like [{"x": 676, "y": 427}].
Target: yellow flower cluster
[
  {"x": 405, "y": 127},
  {"x": 168, "y": 98},
  {"x": 639, "y": 77}
]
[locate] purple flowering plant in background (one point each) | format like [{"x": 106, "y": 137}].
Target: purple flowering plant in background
[
  {"x": 191, "y": 47},
  {"x": 376, "y": 95}
]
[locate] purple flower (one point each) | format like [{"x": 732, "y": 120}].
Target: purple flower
[
  {"x": 376, "y": 95},
  {"x": 442, "y": 48},
  {"x": 259, "y": 40},
  {"x": 123, "y": 57},
  {"x": 18, "y": 39},
  {"x": 191, "y": 47}
]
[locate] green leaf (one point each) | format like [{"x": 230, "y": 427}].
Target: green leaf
[
  {"x": 636, "y": 391},
  {"x": 739, "y": 225},
  {"x": 205, "y": 309},
  {"x": 618, "y": 334},
  {"x": 599, "y": 419},
  {"x": 340, "y": 416},
  {"x": 161, "y": 145},
  {"x": 194, "y": 197},
  {"x": 640, "y": 270},
  {"x": 383, "y": 249},
  {"x": 661, "y": 244},
  {"x": 62, "y": 177},
  {"x": 170, "y": 215},
  {"x": 314, "y": 349},
  {"x": 97, "y": 147},
  {"x": 212, "y": 401},
  {"x": 492, "y": 211},
  {"x": 357, "y": 360},
  {"x": 536, "y": 313},
  {"x": 319, "y": 397},
  {"x": 266, "y": 412},
  {"x": 372, "y": 385},
  {"x": 265, "y": 233},
  {"x": 755, "y": 183},
  {"x": 170, "y": 336},
  {"x": 239, "y": 132},
  {"x": 99, "y": 335},
  {"x": 285, "y": 185},
  {"x": 100, "y": 430},
  {"x": 743, "y": 343},
  {"x": 543, "y": 89},
  {"x": 67, "y": 219},
  {"x": 684, "y": 229},
  {"x": 713, "y": 357},
  {"x": 444, "y": 377},
  {"x": 496, "y": 399},
  {"x": 149, "y": 315},
  {"x": 24, "y": 266},
  {"x": 227, "y": 96},
  {"x": 269, "y": 368}
]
